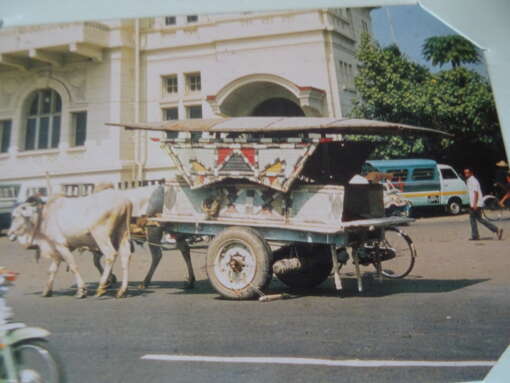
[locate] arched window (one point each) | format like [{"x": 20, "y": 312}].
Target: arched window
[{"x": 42, "y": 129}]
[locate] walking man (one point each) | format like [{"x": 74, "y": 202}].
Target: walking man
[{"x": 475, "y": 211}]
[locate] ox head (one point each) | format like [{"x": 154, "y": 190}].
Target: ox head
[{"x": 24, "y": 222}]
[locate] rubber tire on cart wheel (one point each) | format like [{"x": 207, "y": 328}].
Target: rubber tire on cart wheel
[
  {"x": 239, "y": 263},
  {"x": 316, "y": 272},
  {"x": 454, "y": 206}
]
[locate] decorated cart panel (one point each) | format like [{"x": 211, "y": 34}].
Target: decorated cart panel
[
  {"x": 316, "y": 208},
  {"x": 275, "y": 165}
]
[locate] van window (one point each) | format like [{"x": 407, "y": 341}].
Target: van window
[
  {"x": 448, "y": 174},
  {"x": 423, "y": 174},
  {"x": 9, "y": 191},
  {"x": 398, "y": 174}
]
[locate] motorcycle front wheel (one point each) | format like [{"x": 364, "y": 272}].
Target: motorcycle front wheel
[{"x": 37, "y": 362}]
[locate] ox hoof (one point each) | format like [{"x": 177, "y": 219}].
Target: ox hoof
[
  {"x": 81, "y": 293},
  {"x": 47, "y": 293},
  {"x": 143, "y": 285},
  {"x": 100, "y": 292},
  {"x": 121, "y": 294}
]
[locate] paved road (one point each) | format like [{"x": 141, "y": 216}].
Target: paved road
[{"x": 453, "y": 307}]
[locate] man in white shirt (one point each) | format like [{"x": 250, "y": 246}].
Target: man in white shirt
[{"x": 475, "y": 204}]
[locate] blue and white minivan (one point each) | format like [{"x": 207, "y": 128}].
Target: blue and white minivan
[
  {"x": 425, "y": 182},
  {"x": 8, "y": 195}
]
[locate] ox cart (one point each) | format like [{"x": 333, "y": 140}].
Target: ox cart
[{"x": 275, "y": 195}]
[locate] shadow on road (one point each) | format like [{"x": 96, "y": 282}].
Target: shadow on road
[
  {"x": 134, "y": 290},
  {"x": 371, "y": 286},
  {"x": 374, "y": 288},
  {"x": 200, "y": 287}
]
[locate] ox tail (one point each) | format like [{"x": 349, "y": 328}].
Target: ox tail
[{"x": 129, "y": 214}]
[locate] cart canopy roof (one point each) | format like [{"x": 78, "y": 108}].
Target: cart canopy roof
[
  {"x": 322, "y": 125},
  {"x": 270, "y": 151}
]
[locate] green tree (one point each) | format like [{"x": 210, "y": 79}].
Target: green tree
[
  {"x": 390, "y": 88},
  {"x": 453, "y": 49},
  {"x": 458, "y": 101},
  {"x": 388, "y": 83},
  {"x": 461, "y": 102}
]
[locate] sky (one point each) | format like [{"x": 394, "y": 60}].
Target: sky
[{"x": 411, "y": 26}]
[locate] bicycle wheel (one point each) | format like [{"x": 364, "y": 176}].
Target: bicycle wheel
[
  {"x": 37, "y": 362},
  {"x": 491, "y": 209},
  {"x": 397, "y": 254}
]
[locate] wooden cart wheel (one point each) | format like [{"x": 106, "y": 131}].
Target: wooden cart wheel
[
  {"x": 239, "y": 263},
  {"x": 316, "y": 262}
]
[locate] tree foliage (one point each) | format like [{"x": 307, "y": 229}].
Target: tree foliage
[
  {"x": 390, "y": 88},
  {"x": 453, "y": 49},
  {"x": 458, "y": 101}
]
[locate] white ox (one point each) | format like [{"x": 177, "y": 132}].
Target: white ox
[
  {"x": 147, "y": 202},
  {"x": 99, "y": 222}
]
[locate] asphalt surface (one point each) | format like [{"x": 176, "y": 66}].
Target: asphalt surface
[{"x": 452, "y": 307}]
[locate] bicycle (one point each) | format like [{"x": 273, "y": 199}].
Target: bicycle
[
  {"x": 492, "y": 210},
  {"x": 393, "y": 257}
]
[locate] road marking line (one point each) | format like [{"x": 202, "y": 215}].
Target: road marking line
[{"x": 320, "y": 362}]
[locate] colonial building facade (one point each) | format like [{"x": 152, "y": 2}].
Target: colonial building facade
[{"x": 60, "y": 84}]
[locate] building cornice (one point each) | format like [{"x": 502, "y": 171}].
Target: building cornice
[{"x": 239, "y": 17}]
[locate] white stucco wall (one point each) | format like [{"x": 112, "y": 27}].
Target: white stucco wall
[
  {"x": 82, "y": 87},
  {"x": 295, "y": 50}
]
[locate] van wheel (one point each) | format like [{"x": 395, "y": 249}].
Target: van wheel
[
  {"x": 408, "y": 211},
  {"x": 454, "y": 206}
]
